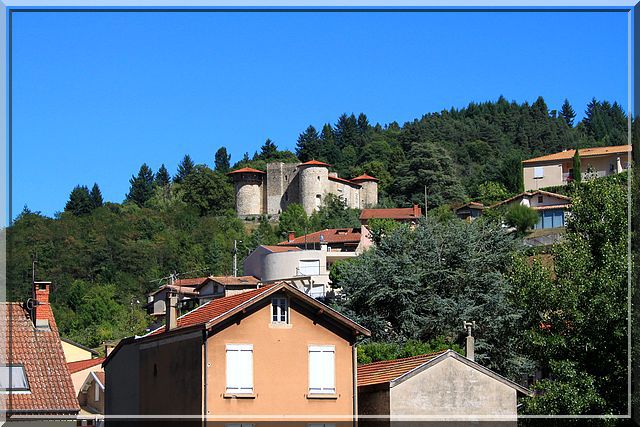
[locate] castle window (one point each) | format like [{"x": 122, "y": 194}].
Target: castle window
[
  {"x": 318, "y": 177},
  {"x": 286, "y": 196},
  {"x": 286, "y": 178}
]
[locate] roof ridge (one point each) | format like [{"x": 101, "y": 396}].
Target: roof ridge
[{"x": 404, "y": 358}]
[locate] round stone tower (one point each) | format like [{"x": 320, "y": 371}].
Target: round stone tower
[
  {"x": 249, "y": 186},
  {"x": 368, "y": 190},
  {"x": 313, "y": 178}
]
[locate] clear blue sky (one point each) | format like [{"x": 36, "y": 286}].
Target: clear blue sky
[{"x": 97, "y": 94}]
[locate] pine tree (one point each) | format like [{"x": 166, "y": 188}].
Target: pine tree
[
  {"x": 568, "y": 113},
  {"x": 577, "y": 174},
  {"x": 268, "y": 150},
  {"x": 346, "y": 132},
  {"x": 162, "y": 176},
  {"x": 96, "y": 196},
  {"x": 222, "y": 160},
  {"x": 141, "y": 188},
  {"x": 184, "y": 169},
  {"x": 80, "y": 202},
  {"x": 308, "y": 145}
]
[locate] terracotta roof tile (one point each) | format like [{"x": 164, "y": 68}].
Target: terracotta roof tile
[
  {"x": 81, "y": 365},
  {"x": 345, "y": 181},
  {"x": 388, "y": 370},
  {"x": 584, "y": 152},
  {"x": 531, "y": 194},
  {"x": 314, "y": 163},
  {"x": 40, "y": 352},
  {"x": 282, "y": 248},
  {"x": 101, "y": 377},
  {"x": 364, "y": 177},
  {"x": 329, "y": 235},
  {"x": 194, "y": 281},
  {"x": 235, "y": 280},
  {"x": 392, "y": 213},
  {"x": 246, "y": 170}
]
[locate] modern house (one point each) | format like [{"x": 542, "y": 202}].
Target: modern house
[
  {"x": 407, "y": 215},
  {"x": 273, "y": 353},
  {"x": 470, "y": 211},
  {"x": 552, "y": 208},
  {"x": 557, "y": 169},
  {"x": 34, "y": 378},
  {"x": 269, "y": 193},
  {"x": 310, "y": 256},
  {"x": 442, "y": 386}
]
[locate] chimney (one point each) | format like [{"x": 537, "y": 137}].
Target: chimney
[
  {"x": 291, "y": 235},
  {"x": 171, "y": 310},
  {"x": 470, "y": 340},
  {"x": 108, "y": 348},
  {"x": 41, "y": 310},
  {"x": 417, "y": 212}
]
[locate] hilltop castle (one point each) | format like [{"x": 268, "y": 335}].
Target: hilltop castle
[{"x": 270, "y": 192}]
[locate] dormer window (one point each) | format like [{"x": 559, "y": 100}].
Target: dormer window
[
  {"x": 13, "y": 378},
  {"x": 280, "y": 310}
]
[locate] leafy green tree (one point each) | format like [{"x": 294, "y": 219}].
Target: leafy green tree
[
  {"x": 334, "y": 213},
  {"x": 346, "y": 131},
  {"x": 222, "y": 160},
  {"x": 511, "y": 174},
  {"x": 423, "y": 283},
  {"x": 162, "y": 178},
  {"x": 491, "y": 192},
  {"x": 264, "y": 234},
  {"x": 568, "y": 113},
  {"x": 184, "y": 169},
  {"x": 381, "y": 227},
  {"x": 329, "y": 150},
  {"x": 142, "y": 186},
  {"x": 377, "y": 351},
  {"x": 577, "y": 173},
  {"x": 208, "y": 191},
  {"x": 521, "y": 217},
  {"x": 308, "y": 145},
  {"x": 295, "y": 219},
  {"x": 80, "y": 202}
]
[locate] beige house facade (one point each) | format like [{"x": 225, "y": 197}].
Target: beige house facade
[{"x": 557, "y": 169}]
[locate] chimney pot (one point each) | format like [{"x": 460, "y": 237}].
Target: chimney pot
[
  {"x": 470, "y": 347},
  {"x": 42, "y": 310},
  {"x": 417, "y": 212},
  {"x": 291, "y": 236},
  {"x": 171, "y": 311}
]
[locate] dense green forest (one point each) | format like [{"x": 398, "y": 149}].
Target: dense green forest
[{"x": 104, "y": 256}]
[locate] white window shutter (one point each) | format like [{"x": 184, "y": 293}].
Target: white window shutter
[
  {"x": 239, "y": 368},
  {"x": 322, "y": 369}
]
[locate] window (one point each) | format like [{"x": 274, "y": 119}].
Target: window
[
  {"x": 96, "y": 392},
  {"x": 279, "y": 310},
  {"x": 239, "y": 368},
  {"x": 540, "y": 199},
  {"x": 13, "y": 378},
  {"x": 538, "y": 172},
  {"x": 309, "y": 267},
  {"x": 322, "y": 369}
]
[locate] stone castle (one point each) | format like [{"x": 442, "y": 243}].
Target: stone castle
[{"x": 270, "y": 192}]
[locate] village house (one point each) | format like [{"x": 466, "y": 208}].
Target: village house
[
  {"x": 74, "y": 351},
  {"x": 552, "y": 208},
  {"x": 267, "y": 352},
  {"x": 310, "y": 256},
  {"x": 269, "y": 193},
  {"x": 557, "y": 169},
  {"x": 90, "y": 394},
  {"x": 470, "y": 211},
  {"x": 442, "y": 386},
  {"x": 34, "y": 378},
  {"x": 406, "y": 215}
]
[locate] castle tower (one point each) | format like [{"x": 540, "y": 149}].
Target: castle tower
[
  {"x": 368, "y": 191},
  {"x": 249, "y": 186},
  {"x": 313, "y": 179}
]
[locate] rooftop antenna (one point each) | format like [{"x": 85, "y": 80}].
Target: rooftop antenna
[{"x": 235, "y": 257}]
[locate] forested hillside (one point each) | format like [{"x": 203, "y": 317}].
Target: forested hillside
[{"x": 104, "y": 256}]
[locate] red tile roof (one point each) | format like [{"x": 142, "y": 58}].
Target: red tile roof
[
  {"x": 246, "y": 170},
  {"x": 388, "y": 370},
  {"x": 584, "y": 152},
  {"x": 392, "y": 213},
  {"x": 235, "y": 280},
  {"x": 194, "y": 281},
  {"x": 329, "y": 235},
  {"x": 81, "y": 365},
  {"x": 282, "y": 248},
  {"x": 40, "y": 352},
  {"x": 345, "y": 181},
  {"x": 364, "y": 177},
  {"x": 101, "y": 377},
  {"x": 314, "y": 163},
  {"x": 531, "y": 194}
]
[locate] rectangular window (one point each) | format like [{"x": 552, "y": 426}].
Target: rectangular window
[
  {"x": 14, "y": 378},
  {"x": 239, "y": 368},
  {"x": 96, "y": 392},
  {"x": 309, "y": 267},
  {"x": 540, "y": 199},
  {"x": 538, "y": 172},
  {"x": 322, "y": 369},
  {"x": 279, "y": 310}
]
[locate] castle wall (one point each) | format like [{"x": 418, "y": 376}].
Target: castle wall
[
  {"x": 313, "y": 184},
  {"x": 282, "y": 187},
  {"x": 249, "y": 199},
  {"x": 368, "y": 194}
]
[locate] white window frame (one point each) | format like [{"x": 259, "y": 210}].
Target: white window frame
[
  {"x": 96, "y": 392},
  {"x": 328, "y": 385},
  {"x": 538, "y": 172},
  {"x": 17, "y": 368},
  {"x": 232, "y": 388},
  {"x": 278, "y": 311}
]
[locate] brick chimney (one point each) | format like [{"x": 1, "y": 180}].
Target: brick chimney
[
  {"x": 417, "y": 212},
  {"x": 171, "y": 311},
  {"x": 42, "y": 309},
  {"x": 291, "y": 236}
]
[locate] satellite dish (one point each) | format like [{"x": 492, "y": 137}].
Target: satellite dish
[{"x": 30, "y": 304}]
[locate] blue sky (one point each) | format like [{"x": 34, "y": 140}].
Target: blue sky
[{"x": 97, "y": 94}]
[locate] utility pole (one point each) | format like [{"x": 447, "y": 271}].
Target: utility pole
[
  {"x": 235, "y": 257},
  {"x": 426, "y": 205},
  {"x": 33, "y": 268}
]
